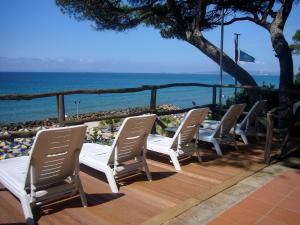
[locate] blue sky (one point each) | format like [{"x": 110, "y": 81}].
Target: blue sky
[{"x": 36, "y": 36}]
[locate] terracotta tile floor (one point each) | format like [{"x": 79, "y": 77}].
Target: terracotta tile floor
[{"x": 276, "y": 203}]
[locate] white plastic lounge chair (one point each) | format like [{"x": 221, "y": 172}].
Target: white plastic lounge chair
[
  {"x": 222, "y": 130},
  {"x": 126, "y": 155},
  {"x": 49, "y": 173},
  {"x": 181, "y": 144},
  {"x": 248, "y": 123}
]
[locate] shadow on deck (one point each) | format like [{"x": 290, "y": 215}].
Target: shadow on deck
[{"x": 140, "y": 201}]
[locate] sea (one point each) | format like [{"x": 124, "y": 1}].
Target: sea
[{"x": 43, "y": 108}]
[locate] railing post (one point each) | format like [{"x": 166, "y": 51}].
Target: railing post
[
  {"x": 235, "y": 90},
  {"x": 153, "y": 100},
  {"x": 153, "y": 107},
  {"x": 214, "y": 95},
  {"x": 269, "y": 137},
  {"x": 60, "y": 108},
  {"x": 214, "y": 101}
]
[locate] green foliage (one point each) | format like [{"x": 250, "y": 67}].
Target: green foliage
[
  {"x": 295, "y": 47},
  {"x": 122, "y": 15},
  {"x": 98, "y": 138},
  {"x": 243, "y": 97},
  {"x": 169, "y": 121},
  {"x": 111, "y": 124},
  {"x": 271, "y": 96},
  {"x": 94, "y": 136},
  {"x": 174, "y": 19},
  {"x": 210, "y": 116}
]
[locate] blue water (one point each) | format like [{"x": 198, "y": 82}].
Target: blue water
[{"x": 36, "y": 109}]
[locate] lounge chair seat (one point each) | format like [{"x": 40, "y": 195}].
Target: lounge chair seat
[
  {"x": 210, "y": 124},
  {"x": 159, "y": 141},
  {"x": 181, "y": 144},
  {"x": 126, "y": 155},
  {"x": 156, "y": 141},
  {"x": 206, "y": 135},
  {"x": 213, "y": 124},
  {"x": 94, "y": 152},
  {"x": 14, "y": 171}
]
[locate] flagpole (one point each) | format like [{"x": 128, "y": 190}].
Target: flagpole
[
  {"x": 236, "y": 61},
  {"x": 221, "y": 56}
]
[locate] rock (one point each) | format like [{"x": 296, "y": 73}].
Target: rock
[{"x": 50, "y": 122}]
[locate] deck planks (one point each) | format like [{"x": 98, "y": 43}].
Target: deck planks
[{"x": 139, "y": 200}]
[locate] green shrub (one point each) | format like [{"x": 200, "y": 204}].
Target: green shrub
[
  {"x": 169, "y": 121},
  {"x": 243, "y": 97},
  {"x": 111, "y": 124}
]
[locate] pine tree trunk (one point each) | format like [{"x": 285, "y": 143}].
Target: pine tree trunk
[
  {"x": 284, "y": 55},
  {"x": 229, "y": 66}
]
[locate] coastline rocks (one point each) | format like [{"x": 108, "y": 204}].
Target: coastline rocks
[
  {"x": 103, "y": 132},
  {"x": 50, "y": 122},
  {"x": 120, "y": 112}
]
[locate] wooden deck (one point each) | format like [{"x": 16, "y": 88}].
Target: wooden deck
[{"x": 139, "y": 200}]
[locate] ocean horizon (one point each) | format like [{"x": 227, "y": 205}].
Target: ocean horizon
[{"x": 42, "y": 108}]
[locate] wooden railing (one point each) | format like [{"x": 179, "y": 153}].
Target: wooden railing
[
  {"x": 152, "y": 109},
  {"x": 153, "y": 98},
  {"x": 153, "y": 88}
]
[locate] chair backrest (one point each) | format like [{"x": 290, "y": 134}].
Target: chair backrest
[
  {"x": 229, "y": 120},
  {"x": 189, "y": 127},
  {"x": 257, "y": 109},
  {"x": 54, "y": 155},
  {"x": 131, "y": 139}
]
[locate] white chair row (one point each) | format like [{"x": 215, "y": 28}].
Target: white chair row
[
  {"x": 51, "y": 170},
  {"x": 220, "y": 131}
]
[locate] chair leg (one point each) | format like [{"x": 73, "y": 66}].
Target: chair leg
[
  {"x": 27, "y": 210},
  {"x": 198, "y": 156},
  {"x": 257, "y": 137},
  {"x": 217, "y": 147},
  {"x": 284, "y": 143},
  {"x": 235, "y": 144},
  {"x": 82, "y": 194},
  {"x": 244, "y": 138},
  {"x": 111, "y": 180},
  {"x": 175, "y": 161},
  {"x": 147, "y": 170}
]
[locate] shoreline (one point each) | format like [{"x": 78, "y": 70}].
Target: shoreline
[
  {"x": 16, "y": 139},
  {"x": 13, "y": 111},
  {"x": 50, "y": 122}
]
